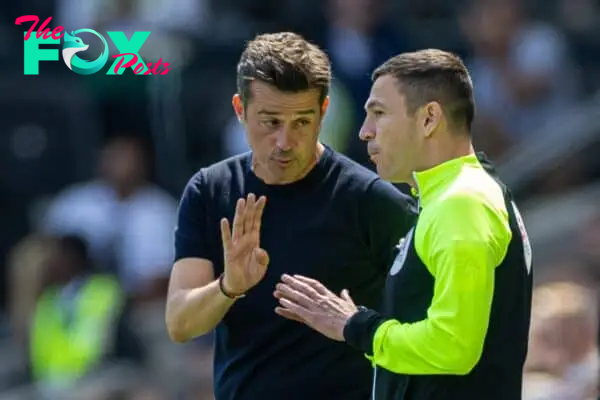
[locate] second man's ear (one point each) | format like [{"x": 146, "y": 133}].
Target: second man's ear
[{"x": 433, "y": 116}]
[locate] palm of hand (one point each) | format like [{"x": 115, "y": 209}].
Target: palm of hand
[
  {"x": 245, "y": 262},
  {"x": 244, "y": 270}
]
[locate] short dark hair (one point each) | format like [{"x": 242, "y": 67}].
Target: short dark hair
[
  {"x": 285, "y": 60},
  {"x": 433, "y": 75}
]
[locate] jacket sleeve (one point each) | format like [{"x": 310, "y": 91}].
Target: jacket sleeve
[{"x": 461, "y": 246}]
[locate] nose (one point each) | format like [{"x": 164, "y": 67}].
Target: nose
[
  {"x": 284, "y": 139},
  {"x": 367, "y": 132}
]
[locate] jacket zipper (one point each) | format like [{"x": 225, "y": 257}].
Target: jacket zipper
[{"x": 374, "y": 383}]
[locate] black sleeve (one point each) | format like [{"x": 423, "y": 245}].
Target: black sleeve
[
  {"x": 388, "y": 215},
  {"x": 191, "y": 221},
  {"x": 359, "y": 331}
]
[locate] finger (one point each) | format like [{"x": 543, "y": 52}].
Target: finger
[
  {"x": 297, "y": 310},
  {"x": 249, "y": 213},
  {"x": 315, "y": 284},
  {"x": 293, "y": 295},
  {"x": 238, "y": 219},
  {"x": 260, "y": 207},
  {"x": 302, "y": 286},
  {"x": 278, "y": 294},
  {"x": 346, "y": 296},
  {"x": 225, "y": 233},
  {"x": 284, "y": 312}
]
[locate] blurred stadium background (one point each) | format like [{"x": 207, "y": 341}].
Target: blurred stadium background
[{"x": 105, "y": 158}]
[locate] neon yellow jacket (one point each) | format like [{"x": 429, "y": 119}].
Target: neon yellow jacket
[
  {"x": 457, "y": 305},
  {"x": 64, "y": 348}
]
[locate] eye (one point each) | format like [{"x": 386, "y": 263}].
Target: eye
[
  {"x": 270, "y": 123},
  {"x": 302, "y": 123},
  {"x": 377, "y": 113}
]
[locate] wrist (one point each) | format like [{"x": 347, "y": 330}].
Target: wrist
[
  {"x": 359, "y": 331},
  {"x": 226, "y": 291}
]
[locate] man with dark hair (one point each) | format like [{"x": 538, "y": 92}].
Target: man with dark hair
[
  {"x": 326, "y": 216},
  {"x": 456, "y": 312},
  {"x": 428, "y": 76}
]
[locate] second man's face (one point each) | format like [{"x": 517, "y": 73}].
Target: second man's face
[{"x": 390, "y": 133}]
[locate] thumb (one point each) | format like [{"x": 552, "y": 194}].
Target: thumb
[
  {"x": 261, "y": 256},
  {"x": 346, "y": 296}
]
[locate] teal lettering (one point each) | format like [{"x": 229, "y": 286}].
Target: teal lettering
[
  {"x": 128, "y": 46},
  {"x": 33, "y": 53}
]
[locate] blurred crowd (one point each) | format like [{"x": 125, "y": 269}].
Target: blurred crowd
[{"x": 91, "y": 168}]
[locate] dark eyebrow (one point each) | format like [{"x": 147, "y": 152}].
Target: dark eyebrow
[
  {"x": 301, "y": 112},
  {"x": 373, "y": 104}
]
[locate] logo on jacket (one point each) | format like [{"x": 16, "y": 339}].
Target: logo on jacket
[
  {"x": 527, "y": 252},
  {"x": 402, "y": 246}
]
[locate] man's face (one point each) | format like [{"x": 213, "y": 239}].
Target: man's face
[
  {"x": 391, "y": 134},
  {"x": 282, "y": 129}
]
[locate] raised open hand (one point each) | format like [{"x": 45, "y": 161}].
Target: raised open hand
[{"x": 245, "y": 262}]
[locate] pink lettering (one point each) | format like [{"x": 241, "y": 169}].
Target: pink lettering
[
  {"x": 56, "y": 33},
  {"x": 130, "y": 63},
  {"x": 28, "y": 18},
  {"x": 43, "y": 31},
  {"x": 166, "y": 71},
  {"x": 138, "y": 69},
  {"x": 157, "y": 69},
  {"x": 148, "y": 71}
]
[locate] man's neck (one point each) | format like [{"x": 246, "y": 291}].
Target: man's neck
[
  {"x": 449, "y": 150},
  {"x": 444, "y": 151}
]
